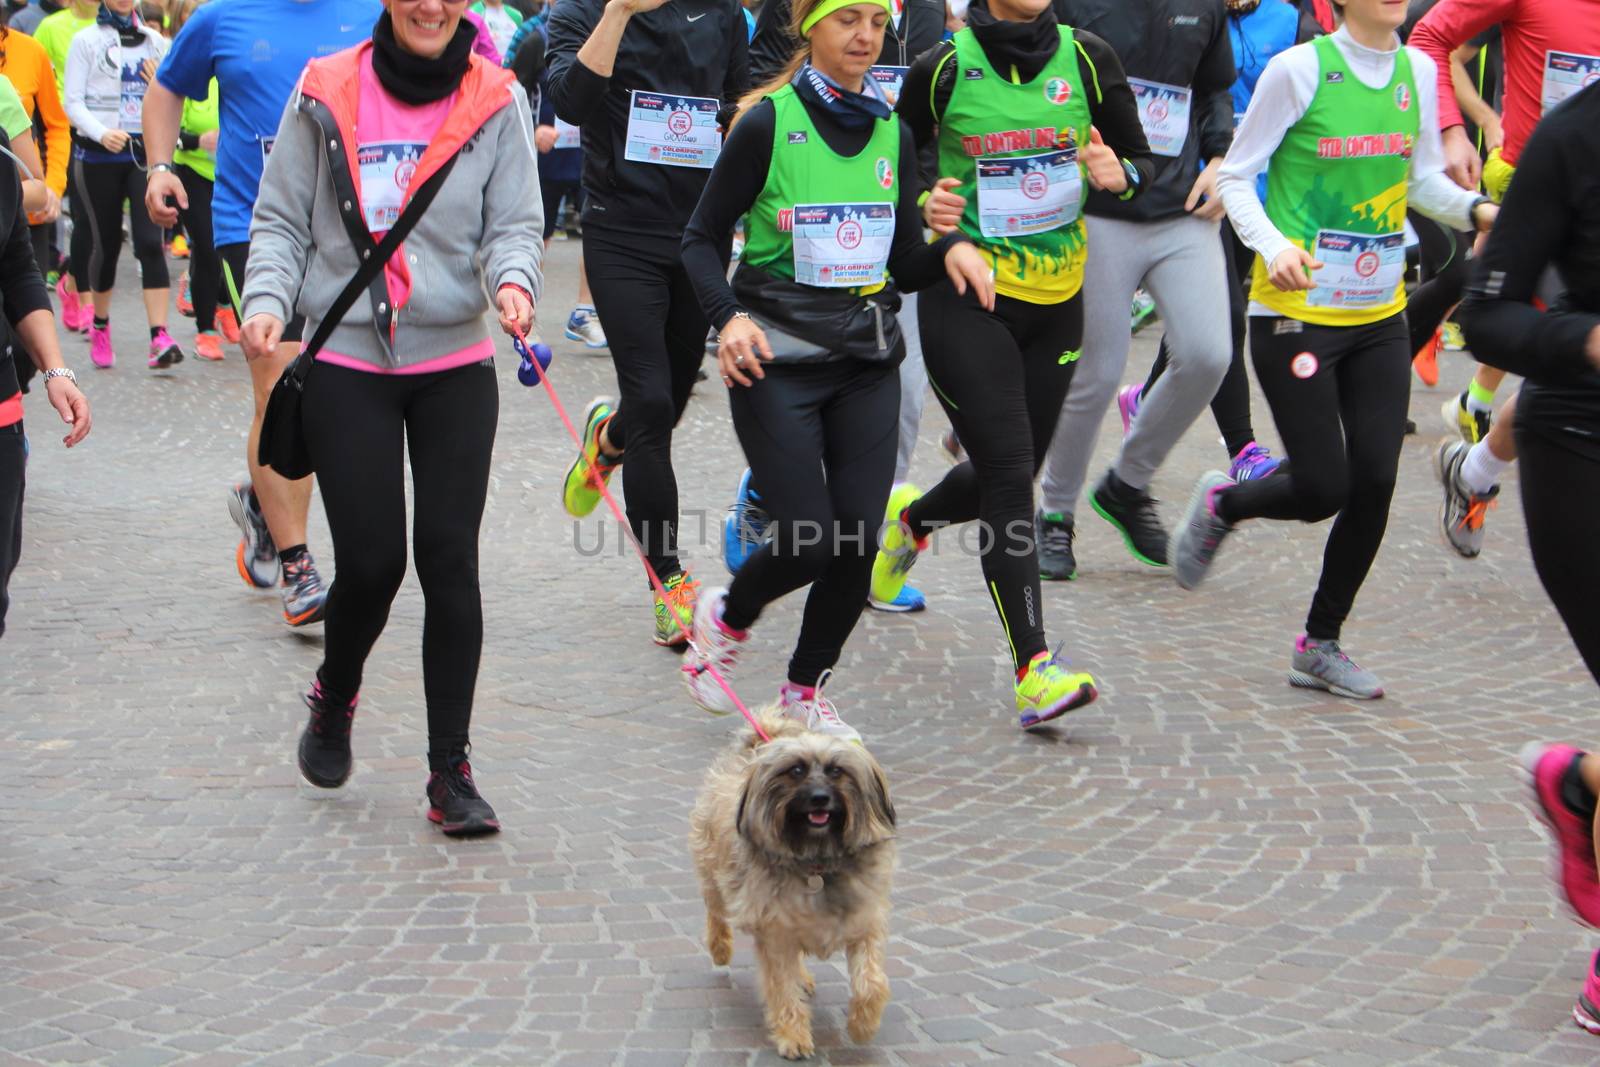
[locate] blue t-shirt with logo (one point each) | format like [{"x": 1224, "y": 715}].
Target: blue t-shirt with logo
[{"x": 256, "y": 50}]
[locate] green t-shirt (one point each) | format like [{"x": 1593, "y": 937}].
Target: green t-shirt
[
  {"x": 13, "y": 119},
  {"x": 56, "y": 32},
  {"x": 199, "y": 116}
]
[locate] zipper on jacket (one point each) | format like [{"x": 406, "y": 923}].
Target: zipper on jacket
[{"x": 877, "y": 315}]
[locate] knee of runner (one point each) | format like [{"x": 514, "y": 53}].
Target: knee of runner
[
  {"x": 373, "y": 574},
  {"x": 812, "y": 543},
  {"x": 1321, "y": 495}
]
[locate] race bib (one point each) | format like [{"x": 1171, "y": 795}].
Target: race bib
[
  {"x": 568, "y": 135},
  {"x": 386, "y": 168},
  {"x": 1359, "y": 270},
  {"x": 673, "y": 131},
  {"x": 130, "y": 112},
  {"x": 1022, "y": 195},
  {"x": 1564, "y": 74},
  {"x": 842, "y": 245},
  {"x": 1164, "y": 114},
  {"x": 890, "y": 80}
]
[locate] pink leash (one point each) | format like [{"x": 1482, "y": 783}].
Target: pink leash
[{"x": 527, "y": 353}]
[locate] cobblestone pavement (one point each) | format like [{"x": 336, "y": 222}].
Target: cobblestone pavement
[{"x": 1205, "y": 867}]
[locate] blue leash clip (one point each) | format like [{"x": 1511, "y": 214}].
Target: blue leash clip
[{"x": 526, "y": 373}]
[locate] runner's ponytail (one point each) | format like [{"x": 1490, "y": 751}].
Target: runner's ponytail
[{"x": 797, "y": 17}]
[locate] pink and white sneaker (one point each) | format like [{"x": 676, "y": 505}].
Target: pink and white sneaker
[
  {"x": 100, "y": 346},
  {"x": 716, "y": 647},
  {"x": 1546, "y": 766},
  {"x": 74, "y": 315},
  {"x": 1586, "y": 1012},
  {"x": 1128, "y": 405},
  {"x": 164, "y": 351}
]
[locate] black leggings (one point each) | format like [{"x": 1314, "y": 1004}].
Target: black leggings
[
  {"x": 1231, "y": 404},
  {"x": 80, "y": 244},
  {"x": 105, "y": 186},
  {"x": 359, "y": 426},
  {"x": 13, "y": 479},
  {"x": 1338, "y": 395},
  {"x": 1444, "y": 276},
  {"x": 205, "y": 266},
  {"x": 821, "y": 440},
  {"x": 1561, "y": 504},
  {"x": 657, "y": 335},
  {"x": 1002, "y": 378}
]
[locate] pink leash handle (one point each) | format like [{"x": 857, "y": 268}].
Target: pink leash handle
[{"x": 622, "y": 521}]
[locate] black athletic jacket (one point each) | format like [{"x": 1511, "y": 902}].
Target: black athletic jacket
[
  {"x": 1177, "y": 42},
  {"x": 773, "y": 46},
  {"x": 692, "y": 47},
  {"x": 1551, "y": 218},
  {"x": 22, "y": 290}
]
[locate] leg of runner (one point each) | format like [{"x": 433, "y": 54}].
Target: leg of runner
[
  {"x": 913, "y": 398},
  {"x": 150, "y": 250},
  {"x": 1470, "y": 477},
  {"x": 102, "y": 194},
  {"x": 1444, "y": 275},
  {"x": 205, "y": 268}
]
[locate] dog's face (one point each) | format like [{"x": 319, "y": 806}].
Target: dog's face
[{"x": 814, "y": 798}]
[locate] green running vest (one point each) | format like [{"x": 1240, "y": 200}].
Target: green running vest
[
  {"x": 1343, "y": 169},
  {"x": 804, "y": 170},
  {"x": 993, "y": 117}
]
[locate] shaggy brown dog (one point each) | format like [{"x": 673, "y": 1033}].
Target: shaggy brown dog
[{"x": 794, "y": 843}]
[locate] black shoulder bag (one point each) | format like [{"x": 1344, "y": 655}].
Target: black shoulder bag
[{"x": 282, "y": 444}]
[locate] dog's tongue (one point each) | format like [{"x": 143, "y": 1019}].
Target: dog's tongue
[{"x": 819, "y": 818}]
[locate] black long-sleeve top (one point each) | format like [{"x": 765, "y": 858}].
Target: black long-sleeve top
[
  {"x": 1111, "y": 104},
  {"x": 1551, "y": 218},
  {"x": 688, "y": 48},
  {"x": 741, "y": 174},
  {"x": 21, "y": 288},
  {"x": 1176, "y": 42}
]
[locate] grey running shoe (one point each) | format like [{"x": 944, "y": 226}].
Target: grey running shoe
[
  {"x": 1461, "y": 517},
  {"x": 304, "y": 596},
  {"x": 1052, "y": 533},
  {"x": 1200, "y": 534},
  {"x": 1323, "y": 665},
  {"x": 256, "y": 556}
]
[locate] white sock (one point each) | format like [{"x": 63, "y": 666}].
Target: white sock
[{"x": 1481, "y": 470}]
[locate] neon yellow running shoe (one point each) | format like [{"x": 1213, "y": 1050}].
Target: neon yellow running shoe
[
  {"x": 1049, "y": 690},
  {"x": 683, "y": 591},
  {"x": 898, "y": 550},
  {"x": 581, "y": 493}
]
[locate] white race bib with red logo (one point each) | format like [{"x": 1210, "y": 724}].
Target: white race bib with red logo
[
  {"x": 1021, "y": 195},
  {"x": 1359, "y": 270},
  {"x": 673, "y": 131},
  {"x": 840, "y": 246},
  {"x": 1564, "y": 74},
  {"x": 386, "y": 169},
  {"x": 1164, "y": 114}
]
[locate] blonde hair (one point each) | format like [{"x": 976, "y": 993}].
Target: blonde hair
[
  {"x": 797, "y": 17},
  {"x": 178, "y": 12}
]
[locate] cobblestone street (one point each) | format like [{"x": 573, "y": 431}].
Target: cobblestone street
[{"x": 1204, "y": 867}]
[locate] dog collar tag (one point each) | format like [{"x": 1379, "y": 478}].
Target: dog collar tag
[{"x": 814, "y": 883}]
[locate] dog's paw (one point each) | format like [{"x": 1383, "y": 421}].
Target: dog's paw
[
  {"x": 863, "y": 1020},
  {"x": 794, "y": 1046},
  {"x": 808, "y": 984}
]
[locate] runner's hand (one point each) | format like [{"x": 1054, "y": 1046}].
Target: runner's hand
[
  {"x": 1494, "y": 135},
  {"x": 1104, "y": 168},
  {"x": 1461, "y": 160},
  {"x": 114, "y": 140},
  {"x": 1483, "y": 217},
  {"x": 516, "y": 310},
  {"x": 743, "y": 345},
  {"x": 72, "y": 406},
  {"x": 941, "y": 212},
  {"x": 544, "y": 138},
  {"x": 157, "y": 190},
  {"x": 208, "y": 141},
  {"x": 1206, "y": 186},
  {"x": 50, "y": 212},
  {"x": 259, "y": 335},
  {"x": 1292, "y": 269},
  {"x": 147, "y": 71},
  {"x": 965, "y": 265}
]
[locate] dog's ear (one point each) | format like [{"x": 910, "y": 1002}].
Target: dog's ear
[
  {"x": 874, "y": 822},
  {"x": 880, "y": 785},
  {"x": 739, "y": 826}
]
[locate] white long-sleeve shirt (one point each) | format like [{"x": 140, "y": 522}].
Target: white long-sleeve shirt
[
  {"x": 97, "y": 64},
  {"x": 1281, "y": 98}
]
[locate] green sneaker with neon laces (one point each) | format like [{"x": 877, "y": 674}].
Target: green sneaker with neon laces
[
  {"x": 1049, "y": 689},
  {"x": 580, "y": 495},
  {"x": 675, "y": 614},
  {"x": 898, "y": 550}
]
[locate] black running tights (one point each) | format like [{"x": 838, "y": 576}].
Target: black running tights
[
  {"x": 657, "y": 335},
  {"x": 205, "y": 266},
  {"x": 105, "y": 186},
  {"x": 1001, "y": 377},
  {"x": 359, "y": 426},
  {"x": 80, "y": 244},
  {"x": 821, "y": 440},
  {"x": 1444, "y": 276},
  {"x": 1561, "y": 503},
  {"x": 1231, "y": 404},
  {"x": 13, "y": 479},
  {"x": 1338, "y": 396}
]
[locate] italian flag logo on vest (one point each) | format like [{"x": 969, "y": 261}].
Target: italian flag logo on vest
[
  {"x": 1402, "y": 96},
  {"x": 1057, "y": 90},
  {"x": 885, "y": 172}
]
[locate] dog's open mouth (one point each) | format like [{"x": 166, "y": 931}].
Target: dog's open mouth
[{"x": 820, "y": 818}]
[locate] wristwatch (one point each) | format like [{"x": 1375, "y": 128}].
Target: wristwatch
[
  {"x": 159, "y": 168},
  {"x": 60, "y": 372}
]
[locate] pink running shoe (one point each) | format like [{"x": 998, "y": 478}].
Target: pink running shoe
[
  {"x": 1128, "y": 405},
  {"x": 1586, "y": 1012},
  {"x": 164, "y": 351},
  {"x": 100, "y": 346},
  {"x": 1546, "y": 765},
  {"x": 74, "y": 316}
]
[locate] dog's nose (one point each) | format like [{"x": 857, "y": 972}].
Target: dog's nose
[{"x": 820, "y": 799}]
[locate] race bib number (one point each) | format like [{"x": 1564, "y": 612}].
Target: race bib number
[
  {"x": 1022, "y": 195},
  {"x": 1164, "y": 114},
  {"x": 1564, "y": 74},
  {"x": 673, "y": 131},
  {"x": 568, "y": 135},
  {"x": 386, "y": 169},
  {"x": 1359, "y": 270},
  {"x": 890, "y": 80},
  {"x": 130, "y": 112},
  {"x": 840, "y": 246}
]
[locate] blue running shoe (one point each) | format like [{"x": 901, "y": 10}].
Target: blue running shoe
[
  {"x": 746, "y": 528},
  {"x": 909, "y": 600}
]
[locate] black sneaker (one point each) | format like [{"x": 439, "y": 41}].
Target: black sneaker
[
  {"x": 454, "y": 803},
  {"x": 1053, "y": 534},
  {"x": 1133, "y": 512},
  {"x": 325, "y": 743}
]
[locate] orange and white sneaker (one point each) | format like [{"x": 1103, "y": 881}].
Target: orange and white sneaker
[
  {"x": 1426, "y": 361},
  {"x": 305, "y": 599},
  {"x": 228, "y": 323},
  {"x": 208, "y": 345}
]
